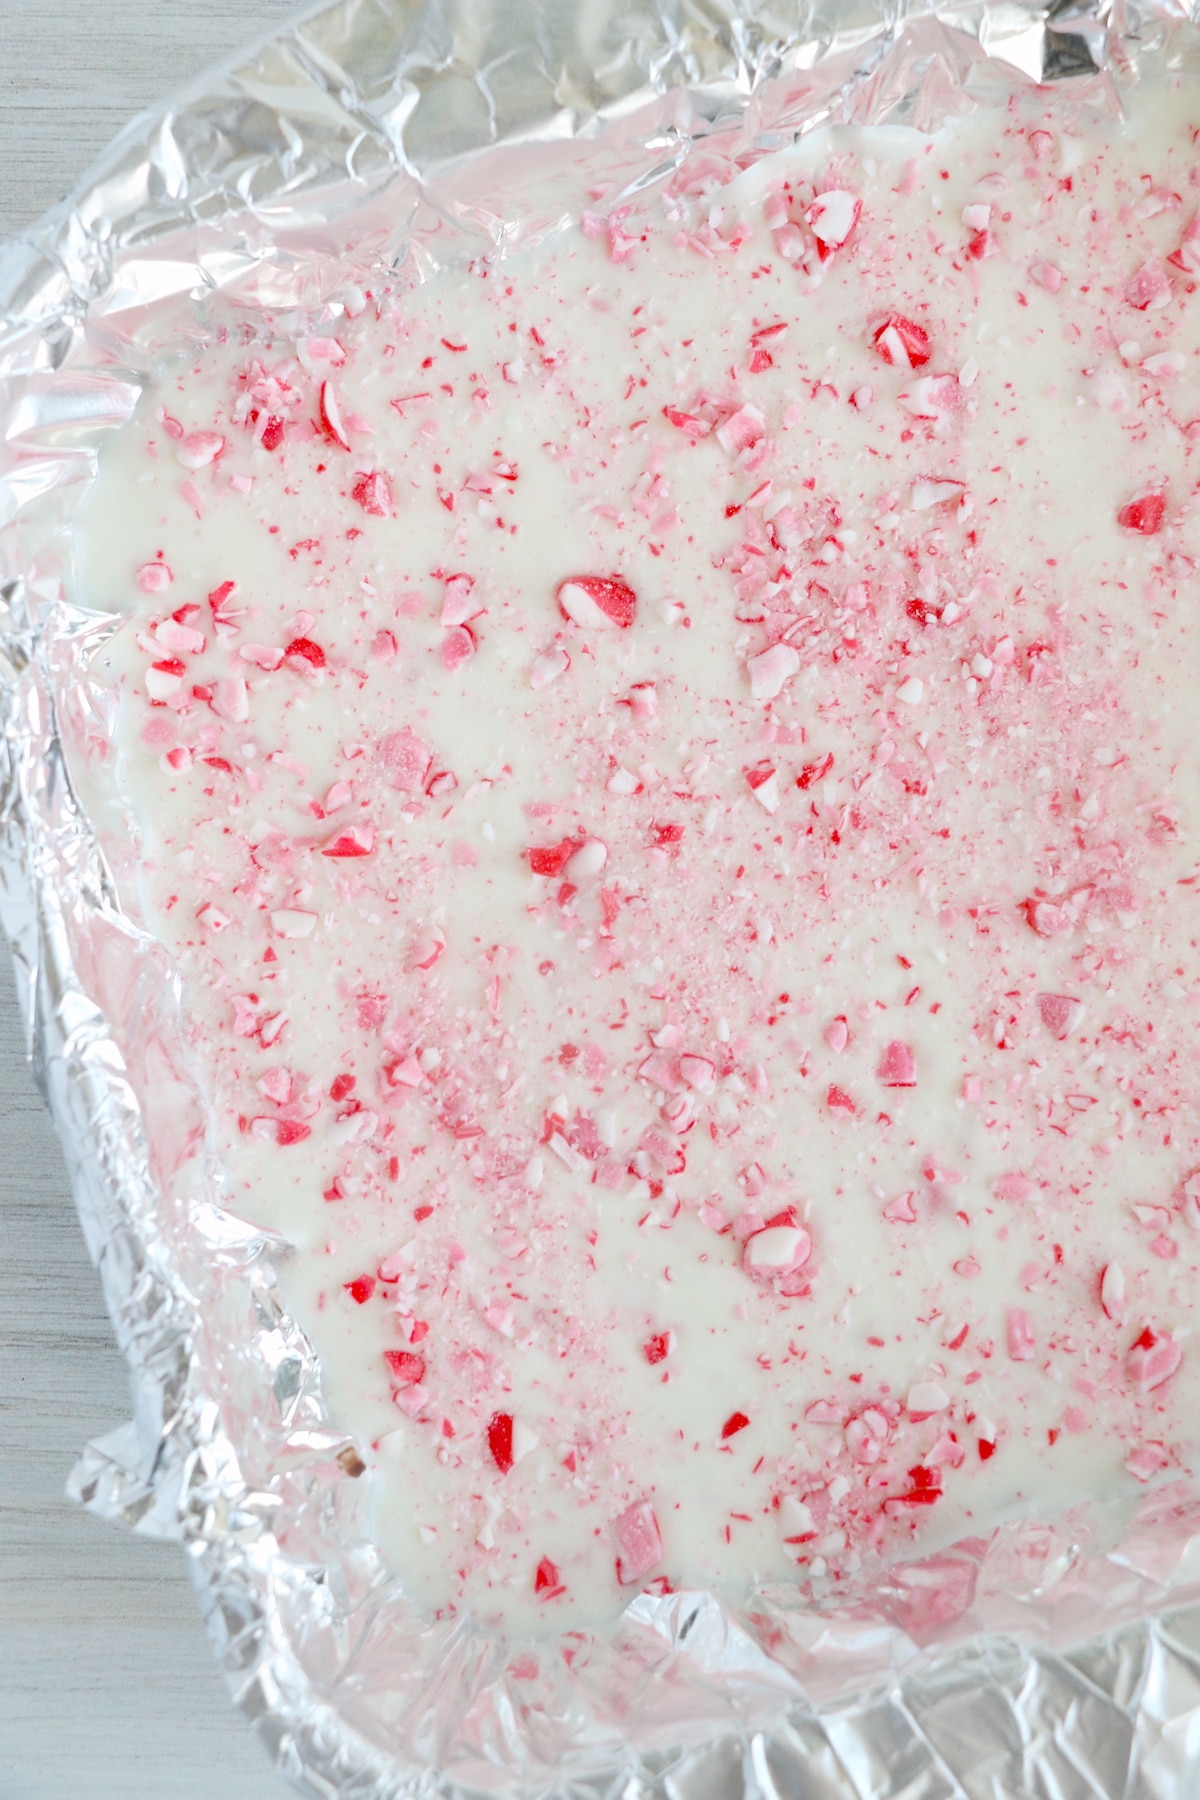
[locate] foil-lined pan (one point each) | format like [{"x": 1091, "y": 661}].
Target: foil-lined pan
[{"x": 1055, "y": 1659}]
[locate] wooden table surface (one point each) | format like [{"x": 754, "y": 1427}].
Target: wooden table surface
[{"x": 108, "y": 1687}]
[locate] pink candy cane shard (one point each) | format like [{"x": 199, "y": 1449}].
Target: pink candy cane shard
[
  {"x": 406, "y": 1368},
  {"x": 741, "y": 429},
  {"x": 231, "y": 699},
  {"x": 640, "y": 1540},
  {"x": 1047, "y": 275},
  {"x": 771, "y": 671},
  {"x": 154, "y": 578},
  {"x": 406, "y": 760},
  {"x": 897, "y": 1066},
  {"x": 549, "y": 666},
  {"x": 699, "y": 1072},
  {"x": 692, "y": 427},
  {"x": 1021, "y": 1346},
  {"x": 458, "y": 602},
  {"x": 315, "y": 350},
  {"x": 866, "y": 1436},
  {"x": 777, "y": 1251},
  {"x": 900, "y": 1211},
  {"x": 597, "y": 602},
  {"x": 1059, "y": 1013},
  {"x": 458, "y": 647},
  {"x": 427, "y": 949},
  {"x": 932, "y": 397},
  {"x": 1149, "y": 289},
  {"x": 199, "y": 448},
  {"x": 1145, "y": 1460},
  {"x": 303, "y": 654},
  {"x": 374, "y": 494},
  {"x": 1047, "y": 917},
  {"x": 1152, "y": 1360}
]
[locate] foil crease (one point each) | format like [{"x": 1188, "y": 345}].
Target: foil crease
[{"x": 1052, "y": 1659}]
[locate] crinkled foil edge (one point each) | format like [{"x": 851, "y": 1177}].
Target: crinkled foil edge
[{"x": 1062, "y": 1659}]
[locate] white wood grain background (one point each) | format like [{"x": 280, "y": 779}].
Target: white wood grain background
[{"x": 107, "y": 1685}]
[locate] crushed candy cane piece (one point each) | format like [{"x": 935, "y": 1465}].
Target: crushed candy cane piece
[
  {"x": 597, "y": 602},
  {"x": 776, "y": 1251},
  {"x": 1152, "y": 1359},
  {"x": 640, "y": 1542}
]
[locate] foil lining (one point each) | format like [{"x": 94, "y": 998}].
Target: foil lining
[{"x": 1052, "y": 1659}]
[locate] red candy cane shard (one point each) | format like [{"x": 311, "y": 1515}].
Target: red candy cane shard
[
  {"x": 500, "y": 1440},
  {"x": 1144, "y": 516},
  {"x": 304, "y": 650},
  {"x": 552, "y": 859},
  {"x": 547, "y": 1584}
]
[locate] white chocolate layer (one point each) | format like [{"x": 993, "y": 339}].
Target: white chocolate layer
[{"x": 719, "y": 1034}]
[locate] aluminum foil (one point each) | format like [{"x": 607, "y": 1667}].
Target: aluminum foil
[{"x": 1053, "y": 1659}]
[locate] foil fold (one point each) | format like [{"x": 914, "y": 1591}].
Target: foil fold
[{"x": 1052, "y": 1659}]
